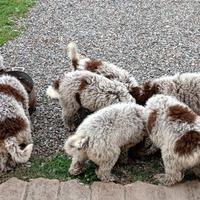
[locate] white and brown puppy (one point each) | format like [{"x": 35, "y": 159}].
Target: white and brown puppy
[
  {"x": 103, "y": 135},
  {"x": 106, "y": 69},
  {"x": 185, "y": 87},
  {"x": 15, "y": 130},
  {"x": 88, "y": 90},
  {"x": 175, "y": 129}
]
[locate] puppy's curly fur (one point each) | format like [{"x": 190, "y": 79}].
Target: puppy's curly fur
[
  {"x": 106, "y": 69},
  {"x": 175, "y": 129},
  {"x": 103, "y": 135},
  {"x": 86, "y": 89},
  {"x": 15, "y": 125},
  {"x": 185, "y": 87}
]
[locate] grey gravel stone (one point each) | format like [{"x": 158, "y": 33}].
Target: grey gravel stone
[{"x": 150, "y": 38}]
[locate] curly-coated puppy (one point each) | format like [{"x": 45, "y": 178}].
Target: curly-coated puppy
[
  {"x": 101, "y": 137},
  {"x": 106, "y": 69},
  {"x": 185, "y": 87},
  {"x": 88, "y": 90},
  {"x": 15, "y": 131},
  {"x": 175, "y": 129}
]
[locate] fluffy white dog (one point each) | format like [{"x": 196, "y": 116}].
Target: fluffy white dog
[
  {"x": 88, "y": 90},
  {"x": 103, "y": 135}
]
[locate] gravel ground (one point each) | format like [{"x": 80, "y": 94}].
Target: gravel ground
[{"x": 148, "y": 37}]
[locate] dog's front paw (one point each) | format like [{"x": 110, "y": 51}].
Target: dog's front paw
[{"x": 163, "y": 179}]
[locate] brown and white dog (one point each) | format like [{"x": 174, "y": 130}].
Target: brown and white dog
[
  {"x": 15, "y": 131},
  {"x": 185, "y": 87},
  {"x": 88, "y": 90},
  {"x": 175, "y": 129},
  {"x": 103, "y": 68}
]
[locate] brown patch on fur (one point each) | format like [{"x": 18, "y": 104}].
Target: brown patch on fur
[
  {"x": 182, "y": 113},
  {"x": 151, "y": 121},
  {"x": 11, "y": 127},
  {"x": 75, "y": 63},
  {"x": 187, "y": 143},
  {"x": 83, "y": 84},
  {"x": 8, "y": 90},
  {"x": 143, "y": 94},
  {"x": 78, "y": 99},
  {"x": 93, "y": 65},
  {"x": 110, "y": 77},
  {"x": 136, "y": 93},
  {"x": 2, "y": 71},
  {"x": 56, "y": 84}
]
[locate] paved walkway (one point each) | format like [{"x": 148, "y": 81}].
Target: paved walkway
[{"x": 45, "y": 189}]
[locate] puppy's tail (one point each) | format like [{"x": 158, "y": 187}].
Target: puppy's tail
[
  {"x": 53, "y": 90},
  {"x": 73, "y": 55},
  {"x": 76, "y": 143},
  {"x": 18, "y": 155}
]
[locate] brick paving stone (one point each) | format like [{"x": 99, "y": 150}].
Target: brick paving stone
[
  {"x": 43, "y": 189},
  {"x": 193, "y": 190},
  {"x": 13, "y": 189},
  {"x": 177, "y": 192},
  {"x": 144, "y": 191},
  {"x": 107, "y": 191},
  {"x": 73, "y": 190}
]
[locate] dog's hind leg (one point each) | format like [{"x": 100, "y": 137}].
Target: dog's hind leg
[{"x": 105, "y": 167}]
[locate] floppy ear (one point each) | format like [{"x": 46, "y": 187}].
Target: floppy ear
[
  {"x": 83, "y": 144},
  {"x": 148, "y": 91}
]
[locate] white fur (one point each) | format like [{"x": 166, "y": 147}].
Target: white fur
[
  {"x": 165, "y": 134},
  {"x": 103, "y": 135},
  {"x": 98, "y": 92},
  {"x": 51, "y": 92}
]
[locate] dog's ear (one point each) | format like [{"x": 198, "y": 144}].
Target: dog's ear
[
  {"x": 83, "y": 143},
  {"x": 136, "y": 93},
  {"x": 148, "y": 90}
]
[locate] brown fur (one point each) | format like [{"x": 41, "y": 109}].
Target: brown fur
[
  {"x": 78, "y": 99},
  {"x": 8, "y": 90},
  {"x": 83, "y": 84},
  {"x": 75, "y": 63},
  {"x": 93, "y": 65},
  {"x": 182, "y": 113},
  {"x": 56, "y": 84},
  {"x": 109, "y": 77},
  {"x": 147, "y": 92},
  {"x": 187, "y": 143},
  {"x": 136, "y": 93},
  {"x": 151, "y": 121},
  {"x": 11, "y": 127}
]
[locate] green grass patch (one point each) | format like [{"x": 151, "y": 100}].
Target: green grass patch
[
  {"x": 10, "y": 11},
  {"x": 56, "y": 167}
]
